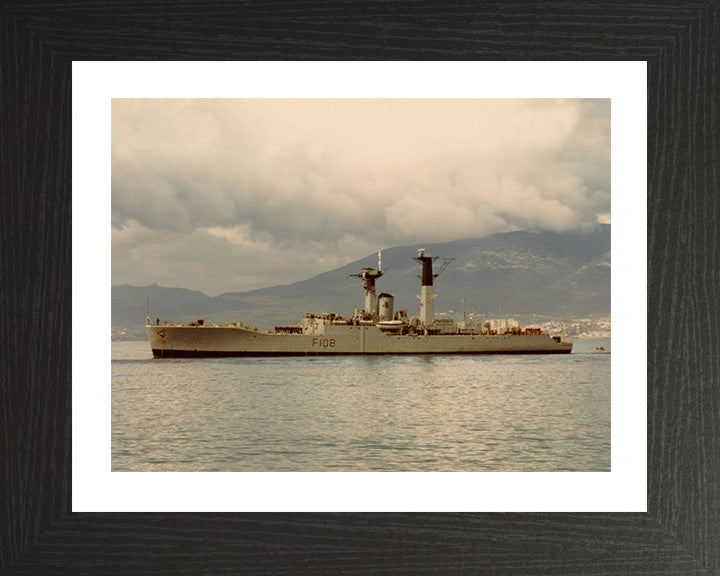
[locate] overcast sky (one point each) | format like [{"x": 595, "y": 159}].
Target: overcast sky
[{"x": 232, "y": 195}]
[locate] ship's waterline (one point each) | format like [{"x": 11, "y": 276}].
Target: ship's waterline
[{"x": 227, "y": 341}]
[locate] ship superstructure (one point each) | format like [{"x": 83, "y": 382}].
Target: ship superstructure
[
  {"x": 375, "y": 329},
  {"x": 369, "y": 275}
]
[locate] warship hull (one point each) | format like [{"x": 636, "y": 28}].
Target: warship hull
[
  {"x": 182, "y": 341},
  {"x": 372, "y": 330}
]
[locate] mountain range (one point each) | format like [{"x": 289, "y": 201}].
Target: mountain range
[{"x": 528, "y": 275}]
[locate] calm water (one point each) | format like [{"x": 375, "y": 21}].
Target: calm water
[{"x": 383, "y": 413}]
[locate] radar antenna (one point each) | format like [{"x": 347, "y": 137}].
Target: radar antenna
[{"x": 369, "y": 275}]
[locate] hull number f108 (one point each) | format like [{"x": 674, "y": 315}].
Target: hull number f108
[{"x": 324, "y": 342}]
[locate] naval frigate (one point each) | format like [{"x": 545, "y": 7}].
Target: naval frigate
[{"x": 374, "y": 329}]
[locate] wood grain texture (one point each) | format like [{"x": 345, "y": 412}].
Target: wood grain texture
[{"x": 681, "y": 532}]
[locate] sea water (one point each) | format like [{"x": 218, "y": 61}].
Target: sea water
[{"x": 355, "y": 413}]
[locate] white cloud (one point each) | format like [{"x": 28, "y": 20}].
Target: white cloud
[{"x": 321, "y": 182}]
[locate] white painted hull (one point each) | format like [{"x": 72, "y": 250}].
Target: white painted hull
[{"x": 169, "y": 341}]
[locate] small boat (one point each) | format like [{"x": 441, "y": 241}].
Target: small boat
[{"x": 390, "y": 325}]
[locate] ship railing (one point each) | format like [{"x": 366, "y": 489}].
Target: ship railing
[{"x": 289, "y": 329}]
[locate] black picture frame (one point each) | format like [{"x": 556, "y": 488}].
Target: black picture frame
[{"x": 680, "y": 533}]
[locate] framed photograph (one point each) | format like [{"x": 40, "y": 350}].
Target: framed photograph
[
  {"x": 283, "y": 165},
  {"x": 72, "y": 509}
]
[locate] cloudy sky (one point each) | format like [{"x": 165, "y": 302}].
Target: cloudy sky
[{"x": 232, "y": 195}]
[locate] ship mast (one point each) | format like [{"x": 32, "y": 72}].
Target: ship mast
[
  {"x": 427, "y": 306},
  {"x": 427, "y": 298},
  {"x": 369, "y": 275}
]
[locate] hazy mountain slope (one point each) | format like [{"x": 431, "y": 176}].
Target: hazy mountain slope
[{"x": 517, "y": 273}]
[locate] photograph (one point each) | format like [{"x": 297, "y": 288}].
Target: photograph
[
  {"x": 344, "y": 243},
  {"x": 361, "y": 285}
]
